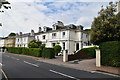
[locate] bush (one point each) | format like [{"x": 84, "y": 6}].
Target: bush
[
  {"x": 48, "y": 53},
  {"x": 16, "y": 50},
  {"x": 57, "y": 49},
  {"x": 33, "y": 45},
  {"x": 110, "y": 53},
  {"x": 26, "y": 51},
  {"x": 90, "y": 51}
]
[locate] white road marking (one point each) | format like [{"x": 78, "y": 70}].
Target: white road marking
[
  {"x": 31, "y": 64},
  {"x": 1, "y": 64},
  {"x": 105, "y": 73},
  {"x": 15, "y": 58},
  {"x": 64, "y": 74},
  {"x": 4, "y": 74}
]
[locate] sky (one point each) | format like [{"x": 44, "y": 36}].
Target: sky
[{"x": 31, "y": 14}]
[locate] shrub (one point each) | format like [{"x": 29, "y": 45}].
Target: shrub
[
  {"x": 16, "y": 50},
  {"x": 33, "y": 45},
  {"x": 26, "y": 51},
  {"x": 48, "y": 53},
  {"x": 110, "y": 53},
  {"x": 90, "y": 51},
  {"x": 57, "y": 49}
]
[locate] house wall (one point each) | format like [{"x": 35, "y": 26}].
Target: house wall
[
  {"x": 2, "y": 42},
  {"x": 10, "y": 42},
  {"x": 23, "y": 41},
  {"x": 71, "y": 38}
]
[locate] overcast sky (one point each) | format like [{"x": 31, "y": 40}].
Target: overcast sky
[{"x": 31, "y": 14}]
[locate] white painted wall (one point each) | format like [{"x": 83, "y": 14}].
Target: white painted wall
[
  {"x": 70, "y": 38},
  {"x": 2, "y": 42},
  {"x": 23, "y": 41}
]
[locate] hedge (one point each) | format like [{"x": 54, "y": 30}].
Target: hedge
[
  {"x": 26, "y": 51},
  {"x": 110, "y": 53},
  {"x": 90, "y": 51},
  {"x": 48, "y": 53}
]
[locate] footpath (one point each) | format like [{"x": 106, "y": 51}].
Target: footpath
[{"x": 83, "y": 64}]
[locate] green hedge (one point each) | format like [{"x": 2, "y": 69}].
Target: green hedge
[
  {"x": 110, "y": 53},
  {"x": 48, "y": 53},
  {"x": 90, "y": 51},
  {"x": 26, "y": 51}
]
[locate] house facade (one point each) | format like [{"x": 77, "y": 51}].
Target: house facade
[
  {"x": 22, "y": 40},
  {"x": 2, "y": 42},
  {"x": 10, "y": 41},
  {"x": 69, "y": 37}
]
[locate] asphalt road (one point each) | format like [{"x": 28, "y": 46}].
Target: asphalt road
[{"x": 19, "y": 67}]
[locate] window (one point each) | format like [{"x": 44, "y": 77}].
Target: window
[
  {"x": 53, "y": 44},
  {"x": 63, "y": 45},
  {"x": 77, "y": 46},
  {"x": 81, "y": 35},
  {"x": 18, "y": 40},
  {"x": 43, "y": 36},
  {"x": 37, "y": 38},
  {"x": 86, "y": 35},
  {"x": 63, "y": 33},
  {"x": 53, "y": 35}
]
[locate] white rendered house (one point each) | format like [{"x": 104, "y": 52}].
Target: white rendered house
[
  {"x": 2, "y": 42},
  {"x": 70, "y": 37},
  {"x": 22, "y": 40}
]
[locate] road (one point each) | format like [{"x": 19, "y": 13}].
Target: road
[{"x": 19, "y": 67}]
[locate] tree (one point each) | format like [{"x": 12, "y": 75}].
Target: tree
[
  {"x": 12, "y": 34},
  {"x": 34, "y": 44},
  {"x": 3, "y": 4},
  {"x": 106, "y": 27},
  {"x": 57, "y": 49}
]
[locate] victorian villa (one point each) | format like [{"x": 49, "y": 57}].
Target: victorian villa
[{"x": 70, "y": 37}]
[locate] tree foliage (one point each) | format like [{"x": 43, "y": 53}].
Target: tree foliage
[
  {"x": 106, "y": 27},
  {"x": 12, "y": 34},
  {"x": 34, "y": 44},
  {"x": 57, "y": 49}
]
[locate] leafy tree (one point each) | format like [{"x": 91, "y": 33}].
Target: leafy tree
[
  {"x": 2, "y": 4},
  {"x": 106, "y": 27},
  {"x": 57, "y": 49},
  {"x": 34, "y": 44},
  {"x": 12, "y": 34}
]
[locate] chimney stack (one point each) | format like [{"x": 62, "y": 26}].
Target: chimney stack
[{"x": 32, "y": 32}]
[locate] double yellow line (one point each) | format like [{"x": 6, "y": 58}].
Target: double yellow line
[{"x": 4, "y": 74}]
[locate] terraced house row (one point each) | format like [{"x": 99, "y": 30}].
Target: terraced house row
[{"x": 69, "y": 37}]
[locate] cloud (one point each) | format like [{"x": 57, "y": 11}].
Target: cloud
[{"x": 25, "y": 16}]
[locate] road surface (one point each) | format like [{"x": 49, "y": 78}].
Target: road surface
[{"x": 19, "y": 67}]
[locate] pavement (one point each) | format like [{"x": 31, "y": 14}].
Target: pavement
[
  {"x": 83, "y": 64},
  {"x": 25, "y": 67}
]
